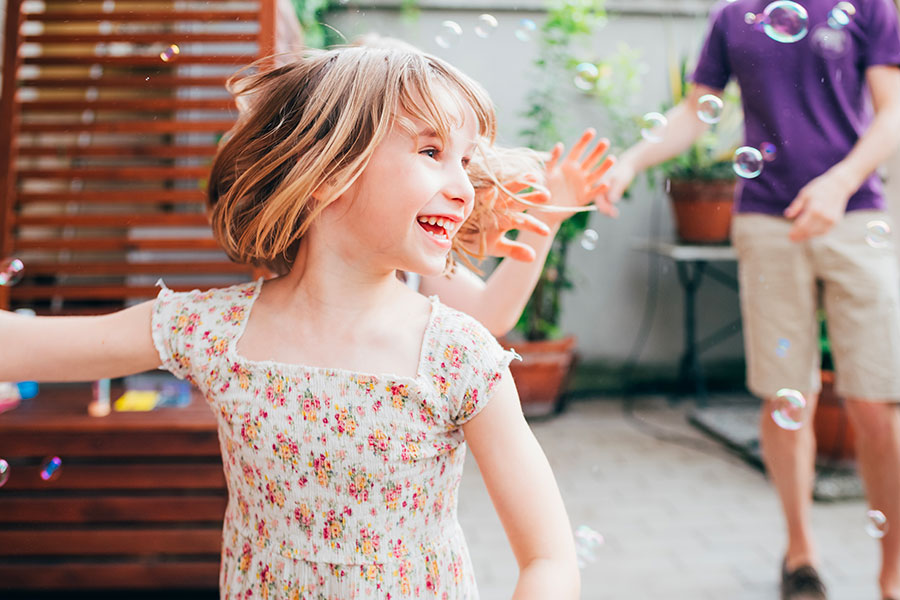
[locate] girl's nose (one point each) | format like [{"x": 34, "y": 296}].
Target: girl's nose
[{"x": 459, "y": 187}]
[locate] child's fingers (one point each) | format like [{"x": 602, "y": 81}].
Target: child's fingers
[
  {"x": 526, "y": 222},
  {"x": 582, "y": 143},
  {"x": 596, "y": 154},
  {"x": 601, "y": 170},
  {"x": 557, "y": 152},
  {"x": 508, "y": 248},
  {"x": 538, "y": 195}
]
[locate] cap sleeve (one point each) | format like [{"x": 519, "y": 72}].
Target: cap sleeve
[
  {"x": 713, "y": 66},
  {"x": 177, "y": 325},
  {"x": 470, "y": 361}
]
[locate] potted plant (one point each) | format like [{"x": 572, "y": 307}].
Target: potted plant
[{"x": 701, "y": 181}]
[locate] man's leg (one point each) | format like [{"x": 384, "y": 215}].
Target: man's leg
[
  {"x": 877, "y": 427},
  {"x": 789, "y": 457}
]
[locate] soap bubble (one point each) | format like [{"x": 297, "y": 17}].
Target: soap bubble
[
  {"x": 841, "y": 15},
  {"x": 587, "y": 541},
  {"x": 876, "y": 524},
  {"x": 709, "y": 108},
  {"x": 170, "y": 53},
  {"x": 748, "y": 162},
  {"x": 526, "y": 30},
  {"x": 653, "y": 127},
  {"x": 768, "y": 151},
  {"x": 830, "y": 43},
  {"x": 51, "y": 468},
  {"x": 586, "y": 75},
  {"x": 11, "y": 271},
  {"x": 449, "y": 35},
  {"x": 783, "y": 345},
  {"x": 487, "y": 24},
  {"x": 785, "y": 22},
  {"x": 589, "y": 239},
  {"x": 878, "y": 234},
  {"x": 4, "y": 472},
  {"x": 788, "y": 409}
]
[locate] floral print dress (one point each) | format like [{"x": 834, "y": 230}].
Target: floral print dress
[{"x": 341, "y": 485}]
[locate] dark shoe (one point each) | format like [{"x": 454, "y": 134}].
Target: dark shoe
[{"x": 803, "y": 583}]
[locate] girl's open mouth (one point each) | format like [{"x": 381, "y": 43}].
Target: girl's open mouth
[{"x": 439, "y": 228}]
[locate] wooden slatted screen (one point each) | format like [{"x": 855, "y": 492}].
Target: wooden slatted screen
[{"x": 110, "y": 115}]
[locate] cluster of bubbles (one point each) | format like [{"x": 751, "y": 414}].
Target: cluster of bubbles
[
  {"x": 11, "y": 271},
  {"x": 170, "y": 53},
  {"x": 451, "y": 31},
  {"x": 783, "y": 21},
  {"x": 789, "y": 409},
  {"x": 878, "y": 234},
  {"x": 587, "y": 541},
  {"x": 832, "y": 40},
  {"x": 51, "y": 468},
  {"x": 589, "y": 239},
  {"x": 876, "y": 524},
  {"x": 653, "y": 124}
]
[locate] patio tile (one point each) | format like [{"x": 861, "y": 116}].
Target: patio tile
[{"x": 679, "y": 523}]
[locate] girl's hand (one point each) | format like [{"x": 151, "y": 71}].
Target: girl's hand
[
  {"x": 510, "y": 216},
  {"x": 576, "y": 180}
]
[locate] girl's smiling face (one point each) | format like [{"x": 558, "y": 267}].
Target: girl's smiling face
[{"x": 410, "y": 200}]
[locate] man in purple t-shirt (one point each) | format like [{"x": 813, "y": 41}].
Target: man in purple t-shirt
[{"x": 829, "y": 105}]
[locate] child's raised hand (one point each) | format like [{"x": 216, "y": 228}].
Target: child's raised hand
[{"x": 575, "y": 181}]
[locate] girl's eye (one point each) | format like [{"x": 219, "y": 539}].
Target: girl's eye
[
  {"x": 430, "y": 152},
  {"x": 465, "y": 163}
]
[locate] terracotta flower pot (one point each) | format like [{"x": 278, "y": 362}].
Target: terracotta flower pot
[
  {"x": 835, "y": 442},
  {"x": 543, "y": 373},
  {"x": 702, "y": 210}
]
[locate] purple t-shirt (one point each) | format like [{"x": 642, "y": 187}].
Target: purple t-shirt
[{"x": 812, "y": 108}]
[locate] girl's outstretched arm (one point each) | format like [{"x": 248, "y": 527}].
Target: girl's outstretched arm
[
  {"x": 498, "y": 302},
  {"x": 76, "y": 348},
  {"x": 526, "y": 497}
]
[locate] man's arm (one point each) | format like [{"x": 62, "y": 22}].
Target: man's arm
[
  {"x": 683, "y": 129},
  {"x": 822, "y": 202}
]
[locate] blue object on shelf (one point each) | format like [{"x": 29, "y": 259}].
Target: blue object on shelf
[{"x": 27, "y": 389}]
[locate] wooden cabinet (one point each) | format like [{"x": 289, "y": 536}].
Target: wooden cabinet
[{"x": 138, "y": 502}]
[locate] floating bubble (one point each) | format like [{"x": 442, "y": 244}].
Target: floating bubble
[
  {"x": 526, "y": 30},
  {"x": 789, "y": 409},
  {"x": 51, "y": 468},
  {"x": 709, "y": 108},
  {"x": 841, "y": 15},
  {"x": 783, "y": 345},
  {"x": 11, "y": 271},
  {"x": 487, "y": 25},
  {"x": 170, "y": 53},
  {"x": 587, "y": 541},
  {"x": 586, "y": 75},
  {"x": 768, "y": 151},
  {"x": 589, "y": 239},
  {"x": 653, "y": 127},
  {"x": 748, "y": 162},
  {"x": 784, "y": 21},
  {"x": 450, "y": 33},
  {"x": 4, "y": 472},
  {"x": 876, "y": 524},
  {"x": 830, "y": 43},
  {"x": 878, "y": 234},
  {"x": 752, "y": 18}
]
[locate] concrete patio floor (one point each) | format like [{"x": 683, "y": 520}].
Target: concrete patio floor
[{"x": 679, "y": 523}]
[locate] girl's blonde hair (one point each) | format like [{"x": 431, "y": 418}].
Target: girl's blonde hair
[{"x": 308, "y": 129}]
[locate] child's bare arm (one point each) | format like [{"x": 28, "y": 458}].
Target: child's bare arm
[
  {"x": 526, "y": 497},
  {"x": 76, "y": 348}
]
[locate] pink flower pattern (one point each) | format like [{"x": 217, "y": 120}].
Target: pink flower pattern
[{"x": 343, "y": 485}]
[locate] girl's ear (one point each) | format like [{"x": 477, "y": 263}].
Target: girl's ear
[{"x": 325, "y": 190}]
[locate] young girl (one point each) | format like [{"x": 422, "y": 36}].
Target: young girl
[{"x": 343, "y": 397}]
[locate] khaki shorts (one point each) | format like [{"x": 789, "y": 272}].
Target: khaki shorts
[{"x": 781, "y": 284}]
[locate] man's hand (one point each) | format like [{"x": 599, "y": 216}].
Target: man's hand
[
  {"x": 617, "y": 181},
  {"x": 819, "y": 206}
]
